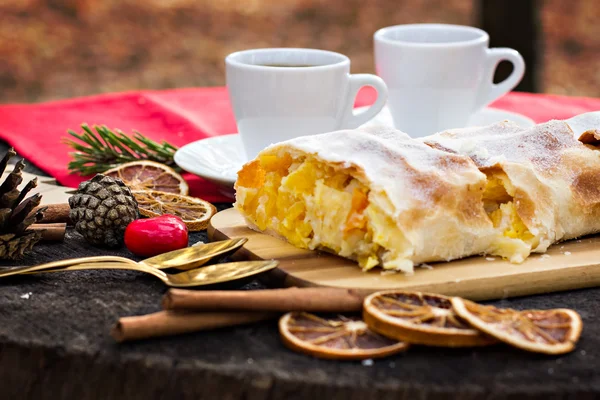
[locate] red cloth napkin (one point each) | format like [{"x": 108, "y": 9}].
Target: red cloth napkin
[{"x": 183, "y": 116}]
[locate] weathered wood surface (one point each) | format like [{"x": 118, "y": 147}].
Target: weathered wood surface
[{"x": 55, "y": 344}]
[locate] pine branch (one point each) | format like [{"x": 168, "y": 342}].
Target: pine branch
[{"x": 104, "y": 149}]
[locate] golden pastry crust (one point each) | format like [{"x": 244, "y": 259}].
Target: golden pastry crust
[
  {"x": 554, "y": 177},
  {"x": 379, "y": 197},
  {"x": 423, "y": 204}
]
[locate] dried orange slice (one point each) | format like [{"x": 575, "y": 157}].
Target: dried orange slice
[
  {"x": 195, "y": 212},
  {"x": 420, "y": 318},
  {"x": 339, "y": 337},
  {"x": 541, "y": 331},
  {"x": 149, "y": 175}
]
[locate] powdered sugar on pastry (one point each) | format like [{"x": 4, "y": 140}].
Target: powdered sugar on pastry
[
  {"x": 550, "y": 176},
  {"x": 388, "y": 201},
  {"x": 373, "y": 195}
]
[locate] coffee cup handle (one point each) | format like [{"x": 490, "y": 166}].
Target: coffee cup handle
[
  {"x": 357, "y": 81},
  {"x": 491, "y": 91}
]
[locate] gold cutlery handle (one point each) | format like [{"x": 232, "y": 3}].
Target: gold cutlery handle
[
  {"x": 66, "y": 263},
  {"x": 106, "y": 265}
]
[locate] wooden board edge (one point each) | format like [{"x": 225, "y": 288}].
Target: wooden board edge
[
  {"x": 527, "y": 282},
  {"x": 479, "y": 290}
]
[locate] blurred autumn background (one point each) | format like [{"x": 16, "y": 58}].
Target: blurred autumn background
[{"x": 51, "y": 49}]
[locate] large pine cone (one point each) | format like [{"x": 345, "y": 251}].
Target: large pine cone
[
  {"x": 102, "y": 209},
  {"x": 16, "y": 212}
]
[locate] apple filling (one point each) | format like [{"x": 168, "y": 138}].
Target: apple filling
[
  {"x": 314, "y": 205},
  {"x": 318, "y": 206},
  {"x": 514, "y": 240}
]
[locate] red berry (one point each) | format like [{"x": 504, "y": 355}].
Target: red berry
[{"x": 152, "y": 236}]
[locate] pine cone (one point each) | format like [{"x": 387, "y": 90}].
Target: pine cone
[
  {"x": 15, "y": 218},
  {"x": 102, "y": 209}
]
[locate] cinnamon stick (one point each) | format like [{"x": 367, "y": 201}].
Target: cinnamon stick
[
  {"x": 58, "y": 212},
  {"x": 167, "y": 323},
  {"x": 281, "y": 300},
  {"x": 51, "y": 232}
]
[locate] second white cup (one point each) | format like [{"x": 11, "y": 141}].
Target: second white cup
[
  {"x": 282, "y": 93},
  {"x": 438, "y": 75}
]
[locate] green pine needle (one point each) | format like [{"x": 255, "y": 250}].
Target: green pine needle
[{"x": 105, "y": 149}]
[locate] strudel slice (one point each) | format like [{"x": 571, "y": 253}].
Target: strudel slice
[
  {"x": 543, "y": 183},
  {"x": 375, "y": 196},
  {"x": 379, "y": 197}
]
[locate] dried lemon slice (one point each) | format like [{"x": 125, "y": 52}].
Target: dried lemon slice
[
  {"x": 195, "y": 212},
  {"x": 541, "y": 331},
  {"x": 149, "y": 175},
  {"x": 339, "y": 337},
  {"x": 420, "y": 318}
]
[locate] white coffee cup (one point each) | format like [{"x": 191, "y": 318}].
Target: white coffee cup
[
  {"x": 282, "y": 93},
  {"x": 439, "y": 75}
]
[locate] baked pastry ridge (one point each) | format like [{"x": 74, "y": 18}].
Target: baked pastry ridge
[
  {"x": 544, "y": 175},
  {"x": 384, "y": 199}
]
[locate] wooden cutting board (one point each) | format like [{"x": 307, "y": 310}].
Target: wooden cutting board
[{"x": 569, "y": 265}]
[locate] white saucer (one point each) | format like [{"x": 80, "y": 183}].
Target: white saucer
[
  {"x": 486, "y": 116},
  {"x": 219, "y": 158}
]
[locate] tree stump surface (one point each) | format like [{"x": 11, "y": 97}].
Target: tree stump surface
[{"x": 55, "y": 344}]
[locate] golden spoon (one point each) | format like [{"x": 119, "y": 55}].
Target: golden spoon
[
  {"x": 187, "y": 258},
  {"x": 207, "y": 275}
]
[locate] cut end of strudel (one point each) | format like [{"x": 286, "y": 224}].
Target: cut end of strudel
[{"x": 386, "y": 200}]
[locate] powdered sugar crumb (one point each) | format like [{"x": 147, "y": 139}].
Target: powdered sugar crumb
[
  {"x": 567, "y": 253},
  {"x": 388, "y": 156},
  {"x": 368, "y": 362},
  {"x": 26, "y": 295},
  {"x": 540, "y": 145},
  {"x": 490, "y": 259}
]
